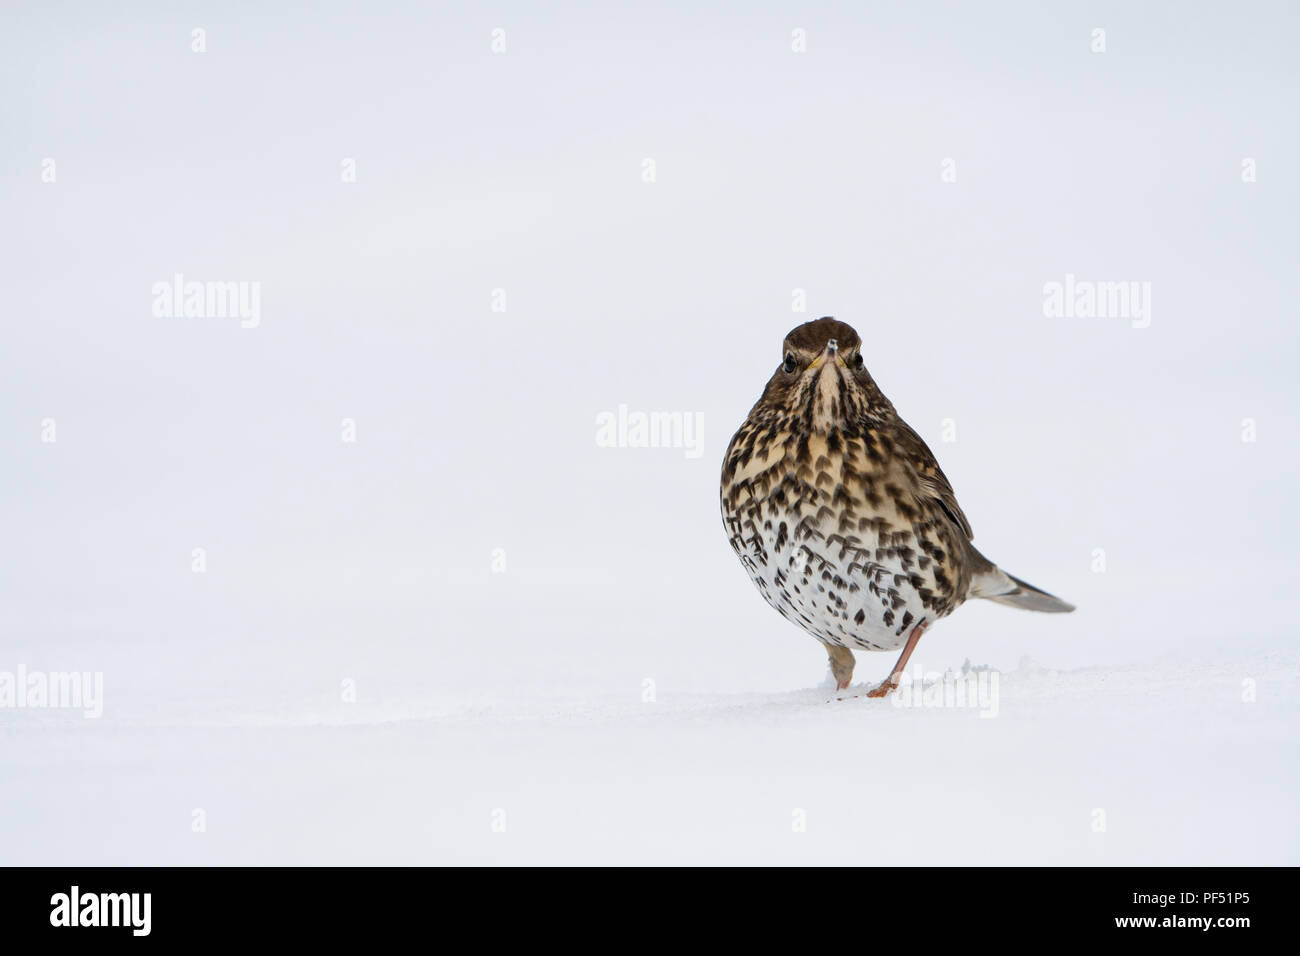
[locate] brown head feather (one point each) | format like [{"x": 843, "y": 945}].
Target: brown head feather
[
  {"x": 791, "y": 401},
  {"x": 792, "y": 393},
  {"x": 813, "y": 336}
]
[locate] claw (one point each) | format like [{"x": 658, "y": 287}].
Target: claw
[{"x": 883, "y": 688}]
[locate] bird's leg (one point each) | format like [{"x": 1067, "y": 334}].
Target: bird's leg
[
  {"x": 841, "y": 665},
  {"x": 890, "y": 682}
]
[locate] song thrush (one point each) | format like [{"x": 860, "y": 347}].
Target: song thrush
[{"x": 841, "y": 515}]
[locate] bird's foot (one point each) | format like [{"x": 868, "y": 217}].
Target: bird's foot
[
  {"x": 880, "y": 690},
  {"x": 884, "y": 687}
]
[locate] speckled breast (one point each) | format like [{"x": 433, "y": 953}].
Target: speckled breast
[{"x": 830, "y": 541}]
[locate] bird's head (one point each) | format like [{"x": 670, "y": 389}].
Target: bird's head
[{"x": 823, "y": 380}]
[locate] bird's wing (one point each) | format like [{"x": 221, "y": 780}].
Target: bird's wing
[{"x": 932, "y": 480}]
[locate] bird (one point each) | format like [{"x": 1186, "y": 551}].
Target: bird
[{"x": 842, "y": 516}]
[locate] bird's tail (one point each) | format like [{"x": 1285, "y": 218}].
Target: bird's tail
[{"x": 996, "y": 585}]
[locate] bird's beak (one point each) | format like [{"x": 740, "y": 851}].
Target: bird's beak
[{"x": 830, "y": 355}]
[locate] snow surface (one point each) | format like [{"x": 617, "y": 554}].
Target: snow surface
[{"x": 1184, "y": 771}]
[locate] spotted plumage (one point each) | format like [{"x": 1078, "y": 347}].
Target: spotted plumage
[{"x": 842, "y": 516}]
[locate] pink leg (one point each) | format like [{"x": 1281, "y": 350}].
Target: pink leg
[
  {"x": 841, "y": 665},
  {"x": 890, "y": 682}
]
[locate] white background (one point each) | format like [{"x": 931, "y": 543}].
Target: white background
[{"x": 522, "y": 691}]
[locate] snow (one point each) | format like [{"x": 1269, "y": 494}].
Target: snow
[{"x": 1183, "y": 769}]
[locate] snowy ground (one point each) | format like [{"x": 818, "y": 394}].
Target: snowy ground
[{"x": 1180, "y": 768}]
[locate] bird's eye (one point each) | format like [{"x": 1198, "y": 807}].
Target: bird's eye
[
  {"x": 789, "y": 362},
  {"x": 857, "y": 361}
]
